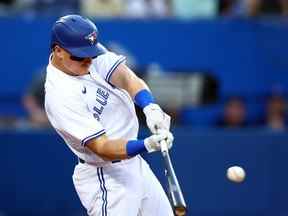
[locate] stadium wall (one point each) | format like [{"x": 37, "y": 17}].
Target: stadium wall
[{"x": 36, "y": 170}]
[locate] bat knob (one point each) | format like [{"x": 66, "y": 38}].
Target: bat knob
[{"x": 180, "y": 211}]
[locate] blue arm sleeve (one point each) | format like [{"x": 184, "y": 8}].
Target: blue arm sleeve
[
  {"x": 143, "y": 98},
  {"x": 134, "y": 147}
]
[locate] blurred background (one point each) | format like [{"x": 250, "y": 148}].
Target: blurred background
[{"x": 218, "y": 67}]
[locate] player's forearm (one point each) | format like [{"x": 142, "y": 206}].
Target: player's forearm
[
  {"x": 136, "y": 86},
  {"x": 115, "y": 149},
  {"x": 126, "y": 79},
  {"x": 110, "y": 149}
]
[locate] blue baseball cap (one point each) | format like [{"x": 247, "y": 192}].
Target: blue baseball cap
[{"x": 77, "y": 35}]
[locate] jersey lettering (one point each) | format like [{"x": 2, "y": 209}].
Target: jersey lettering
[{"x": 101, "y": 101}]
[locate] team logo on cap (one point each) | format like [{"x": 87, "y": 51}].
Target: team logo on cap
[{"x": 91, "y": 38}]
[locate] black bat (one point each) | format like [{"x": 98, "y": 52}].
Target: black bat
[{"x": 175, "y": 193}]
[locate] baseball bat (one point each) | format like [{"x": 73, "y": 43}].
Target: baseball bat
[{"x": 176, "y": 195}]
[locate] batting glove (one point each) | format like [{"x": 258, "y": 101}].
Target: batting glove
[
  {"x": 156, "y": 119},
  {"x": 153, "y": 143}
]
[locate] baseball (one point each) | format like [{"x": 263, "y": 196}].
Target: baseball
[{"x": 236, "y": 174}]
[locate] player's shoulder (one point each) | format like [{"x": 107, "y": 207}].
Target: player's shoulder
[
  {"x": 106, "y": 57},
  {"x": 105, "y": 64},
  {"x": 106, "y": 54}
]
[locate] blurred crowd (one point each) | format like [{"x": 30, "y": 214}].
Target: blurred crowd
[
  {"x": 202, "y": 105},
  {"x": 235, "y": 114},
  {"x": 146, "y": 8}
]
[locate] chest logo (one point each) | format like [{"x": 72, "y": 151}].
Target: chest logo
[{"x": 84, "y": 90}]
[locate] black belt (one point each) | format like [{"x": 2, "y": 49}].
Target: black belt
[{"x": 83, "y": 161}]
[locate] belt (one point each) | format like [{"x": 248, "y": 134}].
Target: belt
[{"x": 83, "y": 161}]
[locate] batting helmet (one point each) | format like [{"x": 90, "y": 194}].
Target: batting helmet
[{"x": 77, "y": 35}]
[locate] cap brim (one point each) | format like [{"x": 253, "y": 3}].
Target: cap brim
[{"x": 88, "y": 51}]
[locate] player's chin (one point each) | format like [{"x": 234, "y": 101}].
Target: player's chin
[{"x": 84, "y": 68}]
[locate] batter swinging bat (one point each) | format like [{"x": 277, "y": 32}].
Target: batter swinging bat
[{"x": 177, "y": 199}]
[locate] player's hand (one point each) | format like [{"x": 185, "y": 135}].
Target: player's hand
[
  {"x": 156, "y": 119},
  {"x": 153, "y": 143}
]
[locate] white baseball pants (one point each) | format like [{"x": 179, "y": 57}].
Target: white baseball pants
[{"x": 126, "y": 188}]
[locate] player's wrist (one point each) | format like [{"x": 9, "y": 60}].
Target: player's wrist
[
  {"x": 144, "y": 98},
  {"x": 152, "y": 107},
  {"x": 135, "y": 147}
]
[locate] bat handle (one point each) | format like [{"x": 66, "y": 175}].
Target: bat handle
[{"x": 163, "y": 146}]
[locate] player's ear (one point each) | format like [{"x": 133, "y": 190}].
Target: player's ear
[{"x": 58, "y": 51}]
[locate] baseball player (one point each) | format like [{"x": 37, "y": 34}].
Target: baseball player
[{"x": 89, "y": 99}]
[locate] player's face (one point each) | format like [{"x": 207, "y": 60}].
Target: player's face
[{"x": 71, "y": 64}]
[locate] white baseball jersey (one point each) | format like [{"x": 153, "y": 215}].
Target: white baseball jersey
[
  {"x": 81, "y": 108},
  {"x": 84, "y": 107}
]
